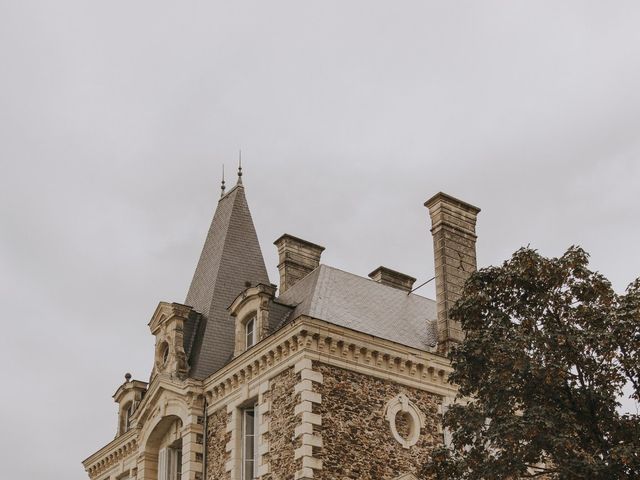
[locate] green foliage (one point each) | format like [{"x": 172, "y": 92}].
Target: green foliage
[{"x": 549, "y": 346}]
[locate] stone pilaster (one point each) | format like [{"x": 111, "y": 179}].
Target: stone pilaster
[
  {"x": 192, "y": 451},
  {"x": 264, "y": 411},
  {"x": 147, "y": 466},
  {"x": 454, "y": 242},
  {"x": 305, "y": 431},
  {"x": 232, "y": 447}
]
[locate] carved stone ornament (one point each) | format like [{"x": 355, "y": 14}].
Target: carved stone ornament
[
  {"x": 401, "y": 405},
  {"x": 406, "y": 476}
]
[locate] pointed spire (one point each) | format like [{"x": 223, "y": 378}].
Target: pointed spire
[
  {"x": 222, "y": 187},
  {"x": 230, "y": 257},
  {"x": 239, "y": 167}
]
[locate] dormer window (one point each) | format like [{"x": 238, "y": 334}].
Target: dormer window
[
  {"x": 128, "y": 397},
  {"x": 251, "y": 312},
  {"x": 250, "y": 332}
]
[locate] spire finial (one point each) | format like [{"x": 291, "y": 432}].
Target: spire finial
[
  {"x": 240, "y": 167},
  {"x": 222, "y": 187}
]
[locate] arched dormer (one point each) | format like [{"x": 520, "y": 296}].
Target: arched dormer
[
  {"x": 128, "y": 396},
  {"x": 251, "y": 312}
]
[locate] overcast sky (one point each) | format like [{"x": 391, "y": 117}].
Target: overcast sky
[{"x": 116, "y": 117}]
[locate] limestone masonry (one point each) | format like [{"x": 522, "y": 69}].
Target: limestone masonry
[{"x": 329, "y": 376}]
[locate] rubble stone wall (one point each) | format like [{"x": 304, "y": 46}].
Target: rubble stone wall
[
  {"x": 217, "y": 439},
  {"x": 282, "y": 423},
  {"x": 358, "y": 442}
]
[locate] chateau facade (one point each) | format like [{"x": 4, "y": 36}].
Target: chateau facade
[{"x": 327, "y": 376}]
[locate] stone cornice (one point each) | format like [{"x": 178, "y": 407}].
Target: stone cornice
[
  {"x": 332, "y": 344},
  {"x": 114, "y": 451}
]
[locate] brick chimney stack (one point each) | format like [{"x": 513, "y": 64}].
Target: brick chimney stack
[
  {"x": 453, "y": 226},
  {"x": 297, "y": 258}
]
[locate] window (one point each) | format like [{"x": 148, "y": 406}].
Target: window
[
  {"x": 165, "y": 354},
  {"x": 250, "y": 332},
  {"x": 249, "y": 444},
  {"x": 127, "y": 416},
  {"x": 170, "y": 464}
]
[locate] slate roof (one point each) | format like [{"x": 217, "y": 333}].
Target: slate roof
[
  {"x": 231, "y": 258},
  {"x": 361, "y": 304}
]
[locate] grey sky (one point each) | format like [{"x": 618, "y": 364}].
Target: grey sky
[{"x": 115, "y": 119}]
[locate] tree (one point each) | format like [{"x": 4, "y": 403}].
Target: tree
[{"x": 549, "y": 346}]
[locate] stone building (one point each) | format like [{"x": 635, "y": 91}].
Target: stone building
[{"x": 327, "y": 376}]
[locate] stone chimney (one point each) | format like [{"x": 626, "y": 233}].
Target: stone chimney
[
  {"x": 297, "y": 258},
  {"x": 453, "y": 226},
  {"x": 394, "y": 279}
]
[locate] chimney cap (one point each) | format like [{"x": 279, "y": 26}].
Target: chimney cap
[
  {"x": 298, "y": 240},
  {"x": 445, "y": 197},
  {"x": 392, "y": 278}
]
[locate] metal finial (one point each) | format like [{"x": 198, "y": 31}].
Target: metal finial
[
  {"x": 127, "y": 376},
  {"x": 222, "y": 187},
  {"x": 239, "y": 167}
]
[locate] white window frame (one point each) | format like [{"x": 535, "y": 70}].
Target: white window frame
[
  {"x": 253, "y": 461},
  {"x": 170, "y": 464},
  {"x": 250, "y": 332}
]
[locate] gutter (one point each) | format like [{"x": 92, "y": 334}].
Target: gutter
[{"x": 204, "y": 440}]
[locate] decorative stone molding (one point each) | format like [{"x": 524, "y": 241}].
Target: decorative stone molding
[
  {"x": 122, "y": 447},
  {"x": 402, "y": 405},
  {"x": 308, "y": 420},
  {"x": 128, "y": 397},
  {"x": 167, "y": 325},
  {"x": 406, "y": 476},
  {"x": 251, "y": 303},
  {"x": 336, "y": 346}
]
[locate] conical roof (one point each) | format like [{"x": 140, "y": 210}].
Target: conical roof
[{"x": 231, "y": 258}]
